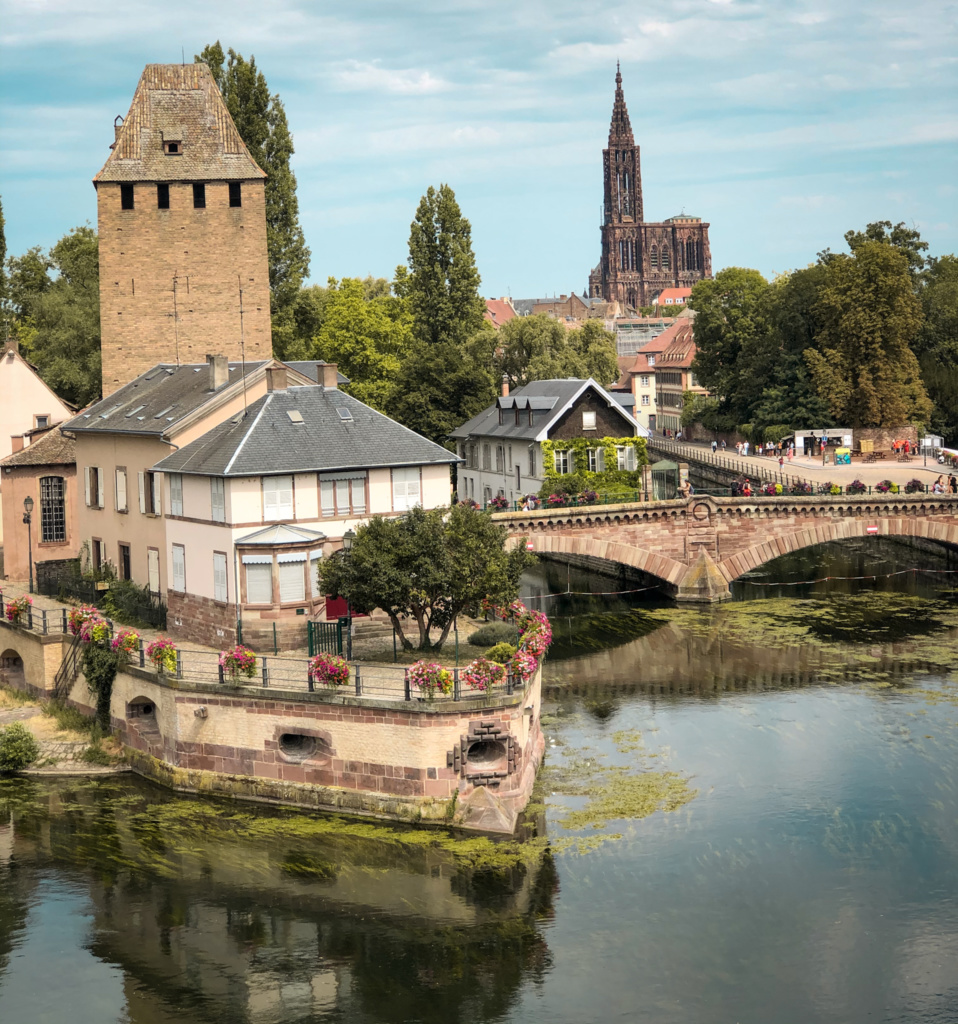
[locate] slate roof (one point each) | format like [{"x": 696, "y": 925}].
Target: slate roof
[
  {"x": 266, "y": 442},
  {"x": 308, "y": 368},
  {"x": 178, "y": 102},
  {"x": 50, "y": 449},
  {"x": 548, "y": 399},
  {"x": 156, "y": 400}
]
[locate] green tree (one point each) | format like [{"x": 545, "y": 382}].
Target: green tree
[
  {"x": 4, "y": 310},
  {"x": 442, "y": 282},
  {"x": 863, "y": 365},
  {"x": 732, "y": 338},
  {"x": 937, "y": 343},
  {"x": 906, "y": 240},
  {"x": 367, "y": 332},
  {"x": 55, "y": 304},
  {"x": 430, "y": 565},
  {"x": 261, "y": 121},
  {"x": 18, "y": 748},
  {"x": 540, "y": 348}
]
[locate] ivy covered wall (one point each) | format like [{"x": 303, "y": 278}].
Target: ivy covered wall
[{"x": 580, "y": 476}]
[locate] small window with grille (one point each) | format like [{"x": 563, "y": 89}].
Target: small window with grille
[{"x": 52, "y": 510}]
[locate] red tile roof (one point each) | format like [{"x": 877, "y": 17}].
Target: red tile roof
[
  {"x": 677, "y": 296},
  {"x": 499, "y": 311}
]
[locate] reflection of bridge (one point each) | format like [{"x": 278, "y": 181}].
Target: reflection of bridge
[{"x": 698, "y": 546}]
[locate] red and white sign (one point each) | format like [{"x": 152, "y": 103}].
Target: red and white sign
[
  {"x": 871, "y": 529},
  {"x": 528, "y": 545}
]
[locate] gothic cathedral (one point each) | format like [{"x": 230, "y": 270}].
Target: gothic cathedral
[{"x": 639, "y": 257}]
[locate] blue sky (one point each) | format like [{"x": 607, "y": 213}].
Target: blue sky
[{"x": 781, "y": 123}]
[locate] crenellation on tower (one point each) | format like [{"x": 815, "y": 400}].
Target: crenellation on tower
[
  {"x": 640, "y": 258},
  {"x": 181, "y": 217}
]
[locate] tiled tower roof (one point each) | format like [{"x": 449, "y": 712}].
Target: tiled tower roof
[
  {"x": 620, "y": 131},
  {"x": 178, "y": 103}
]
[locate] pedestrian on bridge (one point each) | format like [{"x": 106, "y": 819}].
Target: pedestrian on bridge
[{"x": 714, "y": 446}]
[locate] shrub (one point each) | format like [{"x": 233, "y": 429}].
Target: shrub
[
  {"x": 80, "y": 613},
  {"x": 95, "y": 754},
  {"x": 18, "y": 748},
  {"x": 800, "y": 488},
  {"x": 501, "y": 653},
  {"x": 329, "y": 669},
  {"x": 67, "y": 717},
  {"x": 557, "y": 500},
  {"x": 588, "y": 497},
  {"x": 856, "y": 487},
  {"x": 886, "y": 486},
  {"x": 524, "y": 664},
  {"x": 914, "y": 487},
  {"x": 500, "y": 501},
  {"x": 493, "y": 633},
  {"x": 126, "y": 641},
  {"x": 430, "y": 678},
  {"x": 482, "y": 674}
]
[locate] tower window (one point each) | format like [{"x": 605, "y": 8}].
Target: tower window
[
  {"x": 126, "y": 197},
  {"x": 665, "y": 259},
  {"x": 654, "y": 257},
  {"x": 199, "y": 196},
  {"x": 173, "y": 148},
  {"x": 236, "y": 193},
  {"x": 162, "y": 197}
]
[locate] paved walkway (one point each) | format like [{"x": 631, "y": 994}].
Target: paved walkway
[{"x": 810, "y": 468}]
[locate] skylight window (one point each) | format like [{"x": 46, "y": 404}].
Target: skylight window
[
  {"x": 162, "y": 412},
  {"x": 344, "y": 414},
  {"x": 133, "y": 412},
  {"x": 295, "y": 416}
]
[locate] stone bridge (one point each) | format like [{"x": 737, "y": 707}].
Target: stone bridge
[{"x": 697, "y": 546}]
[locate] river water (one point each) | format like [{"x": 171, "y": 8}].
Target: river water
[{"x": 749, "y": 813}]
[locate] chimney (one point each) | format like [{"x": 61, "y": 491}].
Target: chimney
[
  {"x": 17, "y": 443},
  {"x": 328, "y": 375},
  {"x": 505, "y": 386},
  {"x": 219, "y": 371},
  {"x": 276, "y": 378}
]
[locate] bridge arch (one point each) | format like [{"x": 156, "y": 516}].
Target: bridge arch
[
  {"x": 824, "y": 531},
  {"x": 11, "y": 668},
  {"x": 659, "y": 566}
]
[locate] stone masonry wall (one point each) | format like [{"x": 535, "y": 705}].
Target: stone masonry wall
[{"x": 211, "y": 253}]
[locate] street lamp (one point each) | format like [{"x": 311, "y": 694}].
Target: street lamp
[
  {"x": 348, "y": 537},
  {"x": 28, "y": 519}
]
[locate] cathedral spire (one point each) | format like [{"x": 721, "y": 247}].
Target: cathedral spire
[{"x": 620, "y": 131}]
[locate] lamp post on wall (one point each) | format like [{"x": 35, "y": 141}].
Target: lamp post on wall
[
  {"x": 28, "y": 519},
  {"x": 348, "y": 537}
]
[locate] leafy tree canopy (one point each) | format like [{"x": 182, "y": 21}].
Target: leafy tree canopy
[
  {"x": 863, "y": 365},
  {"x": 428, "y": 565},
  {"x": 367, "y": 332},
  {"x": 907, "y": 240},
  {"x": 54, "y": 301},
  {"x": 540, "y": 348},
  {"x": 442, "y": 282},
  {"x": 261, "y": 121},
  {"x": 937, "y": 344}
]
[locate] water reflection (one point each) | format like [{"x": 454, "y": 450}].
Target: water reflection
[{"x": 219, "y": 915}]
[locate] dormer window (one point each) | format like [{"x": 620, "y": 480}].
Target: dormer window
[{"x": 172, "y": 147}]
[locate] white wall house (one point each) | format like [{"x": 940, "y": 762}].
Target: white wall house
[{"x": 253, "y": 506}]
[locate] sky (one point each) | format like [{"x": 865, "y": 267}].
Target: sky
[{"x": 782, "y": 124}]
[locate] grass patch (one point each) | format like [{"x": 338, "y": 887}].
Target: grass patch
[
  {"x": 95, "y": 754},
  {"x": 10, "y": 698},
  {"x": 68, "y": 718}
]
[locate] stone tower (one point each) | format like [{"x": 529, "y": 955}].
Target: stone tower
[
  {"x": 182, "y": 224},
  {"x": 640, "y": 258}
]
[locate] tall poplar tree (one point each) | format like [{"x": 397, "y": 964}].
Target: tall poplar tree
[
  {"x": 442, "y": 282},
  {"x": 260, "y": 119}
]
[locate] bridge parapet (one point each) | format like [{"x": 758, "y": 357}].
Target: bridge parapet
[{"x": 690, "y": 544}]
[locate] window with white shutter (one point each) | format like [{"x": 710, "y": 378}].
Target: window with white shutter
[
  {"x": 217, "y": 499},
  {"x": 94, "y": 487},
  {"x": 179, "y": 568},
  {"x": 121, "y": 505},
  {"x": 328, "y": 497},
  {"x": 292, "y": 581},
  {"x": 406, "y": 491},
  {"x": 342, "y": 497},
  {"x": 153, "y": 570},
  {"x": 99, "y": 488},
  {"x": 359, "y": 497},
  {"x": 315, "y": 581},
  {"x": 176, "y": 494},
  {"x": 220, "y": 587},
  {"x": 141, "y": 480},
  {"x": 259, "y": 583},
  {"x": 626, "y": 457},
  {"x": 277, "y": 498}
]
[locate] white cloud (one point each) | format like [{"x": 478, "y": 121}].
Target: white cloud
[{"x": 371, "y": 77}]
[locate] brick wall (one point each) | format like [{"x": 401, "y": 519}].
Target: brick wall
[
  {"x": 210, "y": 252},
  {"x": 191, "y": 617}
]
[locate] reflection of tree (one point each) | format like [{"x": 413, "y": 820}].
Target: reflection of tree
[{"x": 206, "y": 917}]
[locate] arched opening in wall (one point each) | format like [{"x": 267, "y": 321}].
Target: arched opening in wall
[
  {"x": 485, "y": 754},
  {"x": 298, "y": 747},
  {"x": 141, "y": 713},
  {"x": 11, "y": 670}
]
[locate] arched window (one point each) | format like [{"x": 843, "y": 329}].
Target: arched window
[
  {"x": 654, "y": 257},
  {"x": 665, "y": 258},
  {"x": 53, "y": 519}
]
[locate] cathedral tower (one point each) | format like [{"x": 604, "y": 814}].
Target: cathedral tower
[
  {"x": 640, "y": 258},
  {"x": 182, "y": 224}
]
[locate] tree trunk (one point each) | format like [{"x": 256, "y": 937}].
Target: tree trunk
[{"x": 403, "y": 639}]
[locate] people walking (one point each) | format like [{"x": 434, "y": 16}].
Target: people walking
[
  {"x": 714, "y": 446},
  {"x": 723, "y": 444}
]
